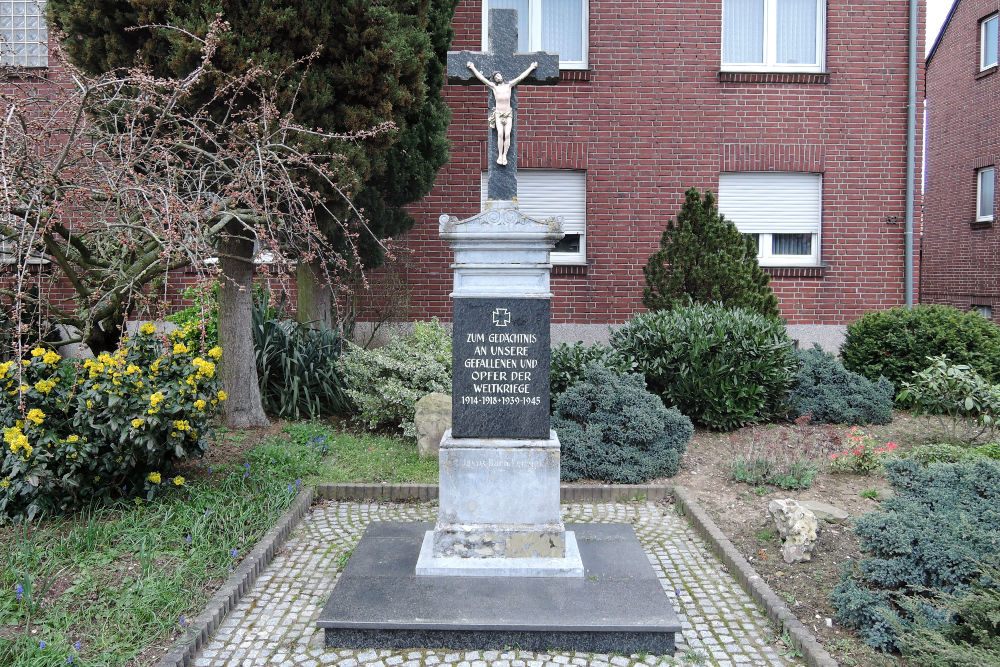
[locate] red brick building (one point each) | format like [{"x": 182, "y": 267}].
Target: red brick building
[
  {"x": 794, "y": 111},
  {"x": 960, "y": 258}
]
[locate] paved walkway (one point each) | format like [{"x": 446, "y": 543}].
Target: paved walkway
[{"x": 274, "y": 623}]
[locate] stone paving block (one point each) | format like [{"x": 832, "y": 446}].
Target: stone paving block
[{"x": 276, "y": 618}]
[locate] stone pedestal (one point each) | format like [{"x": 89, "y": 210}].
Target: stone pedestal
[{"x": 499, "y": 464}]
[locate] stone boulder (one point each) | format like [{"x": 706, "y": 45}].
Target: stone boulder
[
  {"x": 432, "y": 419},
  {"x": 797, "y": 526},
  {"x": 825, "y": 511}
]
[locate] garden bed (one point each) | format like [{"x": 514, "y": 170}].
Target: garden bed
[{"x": 740, "y": 511}]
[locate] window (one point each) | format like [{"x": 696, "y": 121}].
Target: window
[
  {"x": 988, "y": 42},
  {"x": 23, "y": 37},
  {"x": 781, "y": 211},
  {"x": 985, "y": 180},
  {"x": 985, "y": 311},
  {"x": 778, "y": 35},
  {"x": 554, "y": 26},
  {"x": 548, "y": 193}
]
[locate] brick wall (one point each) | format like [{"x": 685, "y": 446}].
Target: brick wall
[
  {"x": 960, "y": 259},
  {"x": 654, "y": 116}
]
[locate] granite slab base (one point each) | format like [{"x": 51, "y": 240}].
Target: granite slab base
[
  {"x": 617, "y": 606},
  {"x": 571, "y": 565}
]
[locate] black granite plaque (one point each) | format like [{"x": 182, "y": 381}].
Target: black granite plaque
[{"x": 500, "y": 352}]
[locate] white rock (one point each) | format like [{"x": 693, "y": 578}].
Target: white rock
[
  {"x": 798, "y": 527},
  {"x": 432, "y": 419}
]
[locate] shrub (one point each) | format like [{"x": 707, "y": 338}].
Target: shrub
[
  {"x": 945, "y": 453},
  {"x": 967, "y": 407},
  {"x": 972, "y": 635},
  {"x": 897, "y": 342},
  {"x": 724, "y": 368},
  {"x": 385, "y": 383},
  {"x": 202, "y": 315},
  {"x": 114, "y": 425},
  {"x": 703, "y": 258},
  {"x": 298, "y": 368},
  {"x": 568, "y": 363},
  {"x": 863, "y": 456},
  {"x": 939, "y": 523},
  {"x": 614, "y": 430},
  {"x": 831, "y": 394}
]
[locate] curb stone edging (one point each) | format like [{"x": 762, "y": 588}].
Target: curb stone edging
[
  {"x": 803, "y": 640},
  {"x": 201, "y": 628}
]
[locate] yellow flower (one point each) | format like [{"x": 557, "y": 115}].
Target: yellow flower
[
  {"x": 180, "y": 348},
  {"x": 17, "y": 440},
  {"x": 51, "y": 357},
  {"x": 36, "y": 416},
  {"x": 72, "y": 438},
  {"x": 44, "y": 386},
  {"x": 90, "y": 404},
  {"x": 178, "y": 481},
  {"x": 4, "y": 483},
  {"x": 223, "y": 395},
  {"x": 5, "y": 369},
  {"x": 147, "y": 328},
  {"x": 182, "y": 425},
  {"x": 38, "y": 351},
  {"x": 154, "y": 477},
  {"x": 215, "y": 352},
  {"x": 156, "y": 399},
  {"x": 132, "y": 368},
  {"x": 199, "y": 404},
  {"x": 136, "y": 423},
  {"x": 137, "y": 501},
  {"x": 104, "y": 358},
  {"x": 152, "y": 411}
]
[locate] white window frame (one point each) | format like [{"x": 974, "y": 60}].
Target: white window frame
[
  {"x": 770, "y": 57},
  {"x": 535, "y": 30},
  {"x": 995, "y": 19},
  {"x": 765, "y": 255},
  {"x": 980, "y": 173},
  {"x": 8, "y": 42},
  {"x": 577, "y": 258}
]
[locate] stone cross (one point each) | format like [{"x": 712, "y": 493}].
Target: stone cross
[{"x": 501, "y": 68}]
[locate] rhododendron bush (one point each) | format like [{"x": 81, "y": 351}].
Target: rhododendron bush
[{"x": 106, "y": 427}]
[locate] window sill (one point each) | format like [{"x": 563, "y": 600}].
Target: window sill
[
  {"x": 981, "y": 224},
  {"x": 569, "y": 270},
  {"x": 987, "y": 72},
  {"x": 816, "y": 78},
  {"x": 574, "y": 75},
  {"x": 795, "y": 271},
  {"x": 23, "y": 72}
]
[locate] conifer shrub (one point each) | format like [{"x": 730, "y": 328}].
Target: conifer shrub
[
  {"x": 703, "y": 258},
  {"x": 831, "y": 394},
  {"x": 569, "y": 361},
  {"x": 928, "y": 538},
  {"x": 612, "y": 429},
  {"x": 897, "y": 342},
  {"x": 971, "y": 637},
  {"x": 385, "y": 383},
  {"x": 109, "y": 427},
  {"x": 722, "y": 367}
]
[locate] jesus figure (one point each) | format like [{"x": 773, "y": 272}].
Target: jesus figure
[{"x": 502, "y": 117}]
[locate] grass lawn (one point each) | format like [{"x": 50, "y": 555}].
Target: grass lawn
[{"x": 114, "y": 585}]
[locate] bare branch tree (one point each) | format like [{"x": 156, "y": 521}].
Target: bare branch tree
[{"x": 129, "y": 176}]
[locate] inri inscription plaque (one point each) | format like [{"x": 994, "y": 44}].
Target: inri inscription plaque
[{"x": 500, "y": 354}]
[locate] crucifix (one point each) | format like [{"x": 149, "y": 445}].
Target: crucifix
[{"x": 501, "y": 69}]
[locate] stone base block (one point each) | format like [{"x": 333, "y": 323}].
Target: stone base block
[
  {"x": 506, "y": 541},
  {"x": 570, "y": 565},
  {"x": 619, "y": 605}
]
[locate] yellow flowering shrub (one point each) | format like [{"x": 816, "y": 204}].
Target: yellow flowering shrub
[{"x": 110, "y": 426}]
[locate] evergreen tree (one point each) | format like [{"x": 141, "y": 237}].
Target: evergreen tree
[
  {"x": 704, "y": 258},
  {"x": 378, "y": 62}
]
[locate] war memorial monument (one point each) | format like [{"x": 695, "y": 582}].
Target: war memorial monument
[{"x": 499, "y": 568}]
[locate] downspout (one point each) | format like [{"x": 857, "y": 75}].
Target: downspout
[{"x": 911, "y": 151}]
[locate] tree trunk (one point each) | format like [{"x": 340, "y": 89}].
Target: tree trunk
[
  {"x": 315, "y": 296},
  {"x": 238, "y": 370}
]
